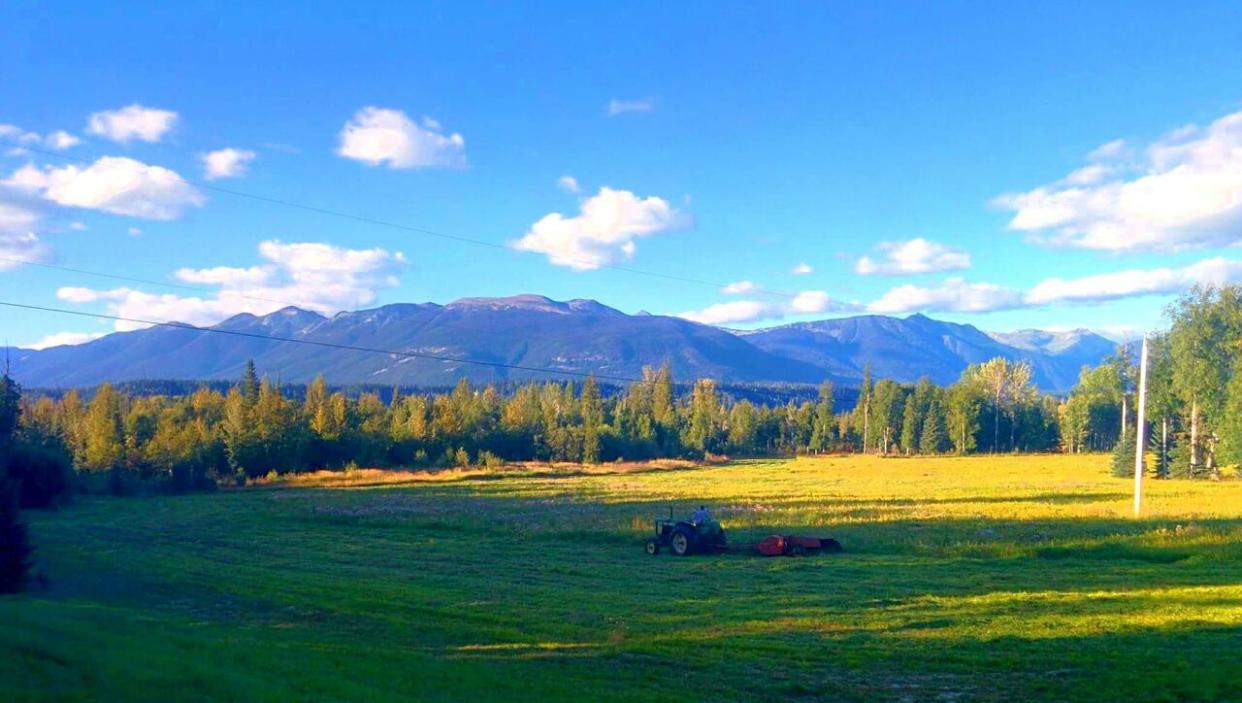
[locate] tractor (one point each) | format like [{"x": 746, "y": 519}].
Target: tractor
[
  {"x": 705, "y": 536},
  {"x": 683, "y": 538}
]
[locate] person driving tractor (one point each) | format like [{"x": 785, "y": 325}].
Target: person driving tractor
[{"x": 705, "y": 525}]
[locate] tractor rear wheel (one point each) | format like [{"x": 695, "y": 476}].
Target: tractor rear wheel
[
  {"x": 680, "y": 543},
  {"x": 653, "y": 547}
]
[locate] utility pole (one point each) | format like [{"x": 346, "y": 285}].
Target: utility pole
[{"x": 1138, "y": 430}]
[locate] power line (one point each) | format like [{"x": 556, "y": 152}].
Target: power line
[
  {"x": 145, "y": 281},
  {"x": 311, "y": 342},
  {"x": 202, "y": 289},
  {"x": 416, "y": 230}
]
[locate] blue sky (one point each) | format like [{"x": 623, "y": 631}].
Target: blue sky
[{"x": 956, "y": 146}]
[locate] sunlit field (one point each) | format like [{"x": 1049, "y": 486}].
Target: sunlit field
[{"x": 1010, "y": 578}]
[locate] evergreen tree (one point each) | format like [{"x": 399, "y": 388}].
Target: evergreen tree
[
  {"x": 824, "y": 422},
  {"x": 744, "y": 428},
  {"x": 1123, "y": 456},
  {"x": 925, "y": 391},
  {"x": 592, "y": 419},
  {"x": 10, "y": 411},
  {"x": 1230, "y": 423},
  {"x": 910, "y": 427},
  {"x": 933, "y": 439},
  {"x": 965, "y": 407},
  {"x": 250, "y": 383},
  {"x": 664, "y": 411},
  {"x": 1181, "y": 464},
  {"x": 1164, "y": 465},
  {"x": 1163, "y": 406},
  {"x": 703, "y": 430},
  {"x": 239, "y": 436},
  {"x": 861, "y": 417},
  {"x": 662, "y": 398}
]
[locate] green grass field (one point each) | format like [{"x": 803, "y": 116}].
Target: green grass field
[{"x": 1011, "y": 578}]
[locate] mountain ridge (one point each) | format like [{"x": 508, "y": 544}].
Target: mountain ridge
[{"x": 549, "y": 338}]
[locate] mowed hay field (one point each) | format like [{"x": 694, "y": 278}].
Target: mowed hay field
[{"x": 985, "y": 578}]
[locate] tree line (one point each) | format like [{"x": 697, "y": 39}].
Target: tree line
[
  {"x": 170, "y": 436},
  {"x": 1194, "y": 385},
  {"x": 254, "y": 427}
]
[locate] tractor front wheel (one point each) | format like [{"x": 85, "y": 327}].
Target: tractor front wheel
[
  {"x": 653, "y": 547},
  {"x": 680, "y": 543}
]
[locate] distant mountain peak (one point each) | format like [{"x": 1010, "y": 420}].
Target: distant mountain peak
[
  {"x": 534, "y": 302},
  {"x": 1053, "y": 342},
  {"x": 904, "y": 349},
  {"x": 294, "y": 311}
]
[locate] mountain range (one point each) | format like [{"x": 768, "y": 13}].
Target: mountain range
[{"x": 530, "y": 336}]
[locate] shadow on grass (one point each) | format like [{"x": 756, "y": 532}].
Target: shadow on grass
[
  {"x": 944, "y": 608},
  {"x": 901, "y": 664}
]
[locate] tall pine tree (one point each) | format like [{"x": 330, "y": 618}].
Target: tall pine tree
[
  {"x": 934, "y": 438},
  {"x": 592, "y": 419}
]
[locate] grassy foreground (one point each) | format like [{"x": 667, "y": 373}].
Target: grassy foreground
[{"x": 1011, "y": 578}]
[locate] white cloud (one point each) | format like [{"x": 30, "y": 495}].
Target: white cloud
[
  {"x": 739, "y": 311},
  {"x": 1182, "y": 191},
  {"x": 134, "y": 232},
  {"x": 229, "y": 276},
  {"x": 953, "y": 295},
  {"x": 732, "y": 312},
  {"x": 1115, "y": 149},
  {"x": 1090, "y": 174},
  {"x": 377, "y": 135},
  {"x": 16, "y": 248},
  {"x": 14, "y": 215},
  {"x": 603, "y": 232},
  {"x": 957, "y": 295},
  {"x": 1128, "y": 284},
  {"x": 60, "y": 339},
  {"x": 58, "y": 140},
  {"x": 739, "y": 288},
  {"x": 619, "y": 107},
  {"x": 13, "y": 133},
  {"x": 77, "y": 294},
  {"x": 569, "y": 184},
  {"x": 802, "y": 269},
  {"x": 225, "y": 163},
  {"x": 132, "y": 122},
  {"x": 914, "y": 256},
  {"x": 310, "y": 275},
  {"x": 810, "y": 301},
  {"x": 115, "y": 184},
  {"x": 19, "y": 223}
]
